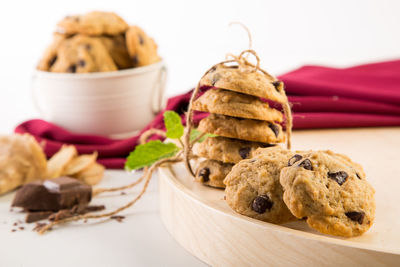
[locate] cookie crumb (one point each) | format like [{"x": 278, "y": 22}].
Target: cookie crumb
[{"x": 118, "y": 218}]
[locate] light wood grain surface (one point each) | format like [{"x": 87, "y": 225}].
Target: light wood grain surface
[{"x": 201, "y": 221}]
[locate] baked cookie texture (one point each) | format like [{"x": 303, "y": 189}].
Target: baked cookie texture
[
  {"x": 83, "y": 54},
  {"x": 212, "y": 173},
  {"x": 116, "y": 47},
  {"x": 235, "y": 104},
  {"x": 226, "y": 149},
  {"x": 329, "y": 190},
  {"x": 245, "y": 129},
  {"x": 93, "y": 23},
  {"x": 243, "y": 80},
  {"x": 141, "y": 47},
  {"x": 253, "y": 188},
  {"x": 22, "y": 160}
]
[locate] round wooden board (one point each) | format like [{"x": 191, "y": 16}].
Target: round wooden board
[{"x": 201, "y": 221}]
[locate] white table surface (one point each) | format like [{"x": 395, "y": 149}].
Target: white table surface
[{"x": 140, "y": 240}]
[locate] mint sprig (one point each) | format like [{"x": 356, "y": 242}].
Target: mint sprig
[
  {"x": 173, "y": 124},
  {"x": 147, "y": 154},
  {"x": 151, "y": 152}
]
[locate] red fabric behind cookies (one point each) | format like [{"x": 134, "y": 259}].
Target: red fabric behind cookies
[{"x": 361, "y": 96}]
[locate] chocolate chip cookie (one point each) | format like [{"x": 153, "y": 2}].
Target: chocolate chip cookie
[
  {"x": 116, "y": 47},
  {"x": 245, "y": 81},
  {"x": 93, "y": 23},
  {"x": 253, "y": 188},
  {"x": 142, "y": 48},
  {"x": 331, "y": 191},
  {"x": 83, "y": 54},
  {"x": 245, "y": 129},
  {"x": 50, "y": 54},
  {"x": 234, "y": 104},
  {"x": 212, "y": 173},
  {"x": 226, "y": 149}
]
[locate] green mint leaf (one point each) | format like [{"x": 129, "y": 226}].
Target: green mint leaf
[
  {"x": 173, "y": 123},
  {"x": 194, "y": 134},
  {"x": 148, "y": 153}
]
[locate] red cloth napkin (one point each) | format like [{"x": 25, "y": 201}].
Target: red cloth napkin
[
  {"x": 361, "y": 96},
  {"x": 366, "y": 95}
]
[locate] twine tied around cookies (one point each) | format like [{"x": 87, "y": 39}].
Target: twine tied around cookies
[{"x": 246, "y": 66}]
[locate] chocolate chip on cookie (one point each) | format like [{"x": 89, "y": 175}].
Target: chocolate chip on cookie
[
  {"x": 244, "y": 152},
  {"x": 204, "y": 173},
  {"x": 357, "y": 216},
  {"x": 306, "y": 164},
  {"x": 294, "y": 159},
  {"x": 224, "y": 149},
  {"x": 212, "y": 173},
  {"x": 274, "y": 128},
  {"x": 277, "y": 84},
  {"x": 261, "y": 204},
  {"x": 340, "y": 177}
]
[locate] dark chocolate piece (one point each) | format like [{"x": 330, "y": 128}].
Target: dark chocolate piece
[
  {"x": 53, "y": 195},
  {"x": 37, "y": 216}
]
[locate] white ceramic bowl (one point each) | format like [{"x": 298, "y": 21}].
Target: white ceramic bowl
[{"x": 115, "y": 104}]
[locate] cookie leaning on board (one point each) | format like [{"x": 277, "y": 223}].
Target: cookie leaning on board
[
  {"x": 241, "y": 119},
  {"x": 97, "y": 42},
  {"x": 22, "y": 161},
  {"x": 326, "y": 189}
]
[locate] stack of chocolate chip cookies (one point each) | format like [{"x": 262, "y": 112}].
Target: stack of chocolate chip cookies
[
  {"x": 238, "y": 116},
  {"x": 97, "y": 42}
]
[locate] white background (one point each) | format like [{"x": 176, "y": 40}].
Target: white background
[{"x": 192, "y": 35}]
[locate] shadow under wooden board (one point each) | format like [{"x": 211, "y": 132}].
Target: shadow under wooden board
[{"x": 201, "y": 221}]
